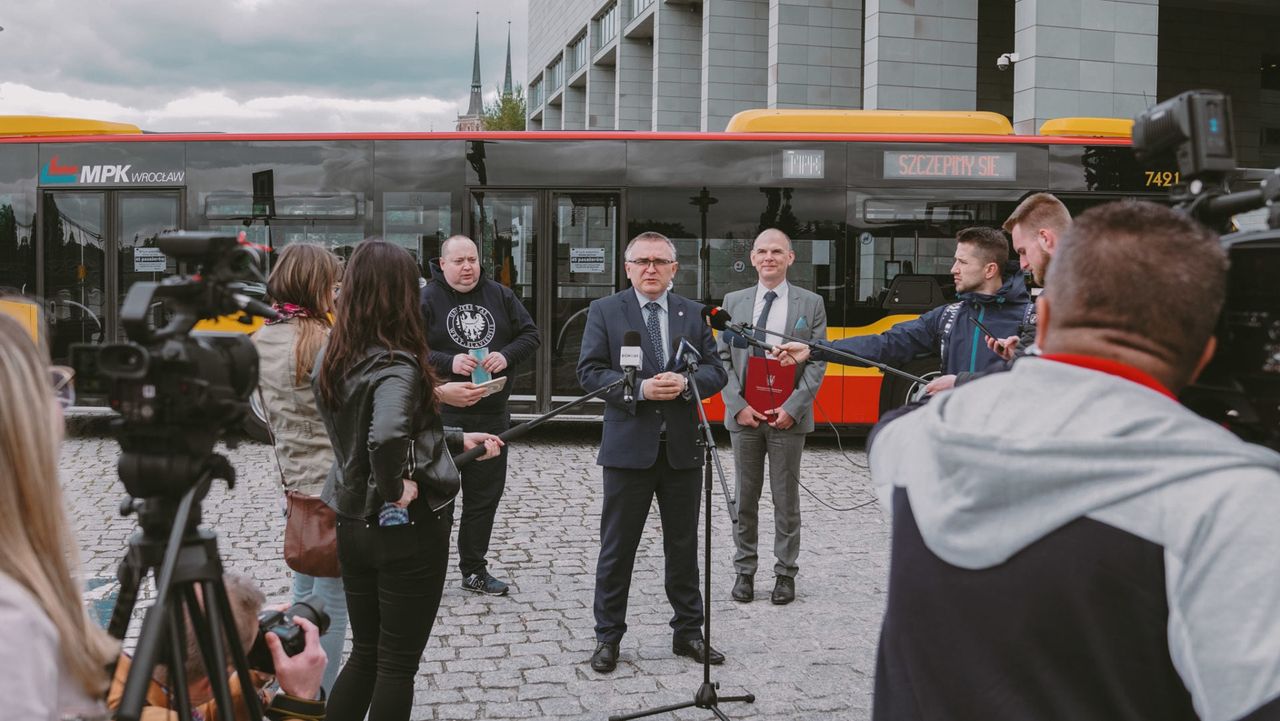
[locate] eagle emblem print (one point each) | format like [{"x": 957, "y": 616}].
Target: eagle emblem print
[{"x": 471, "y": 326}]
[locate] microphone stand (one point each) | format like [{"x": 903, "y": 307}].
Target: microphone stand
[
  {"x": 747, "y": 331},
  {"x": 707, "y": 696},
  {"x": 515, "y": 432}
]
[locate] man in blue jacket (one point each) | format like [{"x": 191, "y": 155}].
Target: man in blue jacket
[
  {"x": 475, "y": 323},
  {"x": 982, "y": 294},
  {"x": 649, "y": 444}
]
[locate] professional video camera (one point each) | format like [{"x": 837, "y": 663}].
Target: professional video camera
[
  {"x": 1241, "y": 387},
  {"x": 178, "y": 392}
]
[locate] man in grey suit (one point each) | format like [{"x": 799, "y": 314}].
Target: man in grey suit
[
  {"x": 649, "y": 444},
  {"x": 775, "y": 432}
]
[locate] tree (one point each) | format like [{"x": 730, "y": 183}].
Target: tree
[{"x": 506, "y": 113}]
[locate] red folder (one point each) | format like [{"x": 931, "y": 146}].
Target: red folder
[{"x": 768, "y": 383}]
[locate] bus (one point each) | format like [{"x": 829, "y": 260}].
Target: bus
[{"x": 871, "y": 199}]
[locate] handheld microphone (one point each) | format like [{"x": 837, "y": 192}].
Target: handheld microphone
[
  {"x": 688, "y": 353},
  {"x": 630, "y": 358}
]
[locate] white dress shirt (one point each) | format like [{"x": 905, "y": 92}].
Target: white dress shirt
[{"x": 777, "y": 321}]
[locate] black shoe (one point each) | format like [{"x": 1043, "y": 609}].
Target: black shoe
[
  {"x": 694, "y": 648},
  {"x": 784, "y": 591},
  {"x": 744, "y": 588},
  {"x": 605, "y": 659}
]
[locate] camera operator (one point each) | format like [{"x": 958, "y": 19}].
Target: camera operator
[
  {"x": 299, "y": 677},
  {"x": 1133, "y": 574},
  {"x": 52, "y": 655}
]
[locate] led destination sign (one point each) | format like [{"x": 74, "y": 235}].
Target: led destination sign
[{"x": 945, "y": 165}]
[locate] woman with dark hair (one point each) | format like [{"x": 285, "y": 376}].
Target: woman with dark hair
[
  {"x": 302, "y": 289},
  {"x": 394, "y": 479}
]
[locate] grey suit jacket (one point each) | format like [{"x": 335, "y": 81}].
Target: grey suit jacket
[{"x": 807, "y": 319}]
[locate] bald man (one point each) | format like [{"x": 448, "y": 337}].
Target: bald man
[{"x": 775, "y": 432}]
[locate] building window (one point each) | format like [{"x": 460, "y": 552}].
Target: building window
[
  {"x": 577, "y": 53},
  {"x": 1271, "y": 137},
  {"x": 554, "y": 74},
  {"x": 1271, "y": 72},
  {"x": 639, "y": 6},
  {"x": 606, "y": 26},
  {"x": 535, "y": 93}
]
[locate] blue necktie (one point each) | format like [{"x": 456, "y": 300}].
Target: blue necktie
[
  {"x": 763, "y": 320},
  {"x": 655, "y": 333}
]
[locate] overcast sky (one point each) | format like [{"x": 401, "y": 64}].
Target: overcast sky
[{"x": 255, "y": 65}]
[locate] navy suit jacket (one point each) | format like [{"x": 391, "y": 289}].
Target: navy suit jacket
[{"x": 630, "y": 438}]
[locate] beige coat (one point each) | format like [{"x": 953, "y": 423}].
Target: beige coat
[{"x": 301, "y": 442}]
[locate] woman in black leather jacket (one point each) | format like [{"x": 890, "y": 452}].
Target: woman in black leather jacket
[{"x": 393, "y": 479}]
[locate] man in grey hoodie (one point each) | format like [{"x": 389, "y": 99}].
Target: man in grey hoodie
[{"x": 1069, "y": 541}]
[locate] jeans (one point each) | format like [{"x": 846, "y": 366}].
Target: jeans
[
  {"x": 394, "y": 577},
  {"x": 335, "y": 604}
]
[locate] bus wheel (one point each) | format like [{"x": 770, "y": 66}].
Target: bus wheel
[
  {"x": 255, "y": 423},
  {"x": 897, "y": 391}
]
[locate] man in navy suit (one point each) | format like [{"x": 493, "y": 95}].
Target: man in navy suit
[{"x": 649, "y": 446}]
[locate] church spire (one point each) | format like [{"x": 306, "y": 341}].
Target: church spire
[
  {"x": 506, "y": 81},
  {"x": 476, "y": 106}
]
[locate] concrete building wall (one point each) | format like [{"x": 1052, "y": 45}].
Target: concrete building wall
[
  {"x": 575, "y": 108},
  {"x": 552, "y": 24},
  {"x": 692, "y": 66},
  {"x": 601, "y": 97},
  {"x": 1083, "y": 58},
  {"x": 677, "y": 67},
  {"x": 921, "y": 55},
  {"x": 634, "y": 110},
  {"x": 735, "y": 57},
  {"x": 815, "y": 53}
]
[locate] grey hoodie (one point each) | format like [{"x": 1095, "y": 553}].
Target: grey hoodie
[{"x": 1000, "y": 465}]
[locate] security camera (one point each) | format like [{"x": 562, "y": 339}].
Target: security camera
[{"x": 1005, "y": 61}]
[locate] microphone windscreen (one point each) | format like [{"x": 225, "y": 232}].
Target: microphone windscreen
[
  {"x": 631, "y": 337},
  {"x": 717, "y": 317}
]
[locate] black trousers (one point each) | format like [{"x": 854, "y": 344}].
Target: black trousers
[
  {"x": 394, "y": 577},
  {"x": 627, "y": 496},
  {"x": 482, "y": 485}
]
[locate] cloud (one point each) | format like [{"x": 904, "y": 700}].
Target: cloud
[
  {"x": 218, "y": 111},
  {"x": 253, "y": 62}
]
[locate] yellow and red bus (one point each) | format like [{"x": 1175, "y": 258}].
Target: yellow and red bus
[{"x": 872, "y": 201}]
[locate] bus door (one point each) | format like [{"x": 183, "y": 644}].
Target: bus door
[
  {"x": 96, "y": 244},
  {"x": 558, "y": 250}
]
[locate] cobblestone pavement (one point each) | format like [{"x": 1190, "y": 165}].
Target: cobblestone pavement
[{"x": 525, "y": 656}]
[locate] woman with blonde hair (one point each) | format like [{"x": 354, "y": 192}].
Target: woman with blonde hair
[
  {"x": 302, "y": 287},
  {"x": 53, "y": 656}
]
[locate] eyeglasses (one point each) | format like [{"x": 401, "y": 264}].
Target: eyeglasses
[
  {"x": 64, "y": 390},
  {"x": 651, "y": 262}
]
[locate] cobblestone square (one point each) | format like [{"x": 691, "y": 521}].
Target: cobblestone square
[{"x": 525, "y": 656}]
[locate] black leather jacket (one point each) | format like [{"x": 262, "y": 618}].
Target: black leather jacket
[{"x": 378, "y": 432}]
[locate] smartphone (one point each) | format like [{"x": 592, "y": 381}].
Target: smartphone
[{"x": 986, "y": 330}]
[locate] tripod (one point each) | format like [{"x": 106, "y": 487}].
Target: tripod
[
  {"x": 185, "y": 560},
  {"x": 707, "y": 695}
]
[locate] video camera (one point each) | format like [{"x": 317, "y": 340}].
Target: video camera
[
  {"x": 178, "y": 392},
  {"x": 1241, "y": 387}
]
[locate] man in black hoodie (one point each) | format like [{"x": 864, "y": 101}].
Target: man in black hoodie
[{"x": 475, "y": 323}]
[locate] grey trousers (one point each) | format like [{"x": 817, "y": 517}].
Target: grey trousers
[{"x": 782, "y": 448}]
